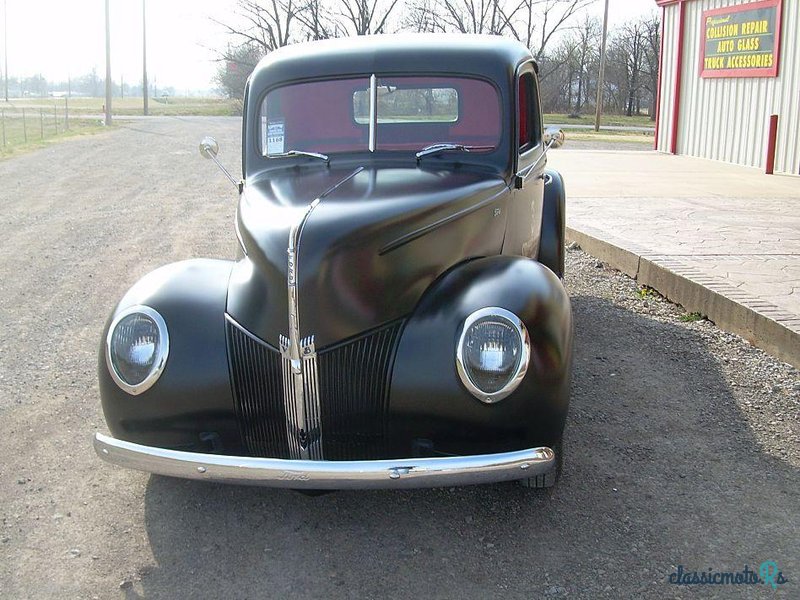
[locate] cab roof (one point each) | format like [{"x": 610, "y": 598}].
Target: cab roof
[
  {"x": 489, "y": 57},
  {"x": 492, "y": 57}
]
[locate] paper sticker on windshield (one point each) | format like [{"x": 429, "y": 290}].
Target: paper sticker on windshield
[{"x": 275, "y": 137}]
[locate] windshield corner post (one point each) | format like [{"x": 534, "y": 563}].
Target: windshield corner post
[{"x": 373, "y": 111}]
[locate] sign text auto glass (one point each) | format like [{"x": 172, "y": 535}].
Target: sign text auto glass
[{"x": 742, "y": 41}]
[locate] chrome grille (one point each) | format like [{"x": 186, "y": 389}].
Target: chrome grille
[
  {"x": 304, "y": 441},
  {"x": 255, "y": 368},
  {"x": 351, "y": 380},
  {"x": 354, "y": 380}
]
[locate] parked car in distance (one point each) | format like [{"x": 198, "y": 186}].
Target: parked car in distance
[{"x": 395, "y": 315}]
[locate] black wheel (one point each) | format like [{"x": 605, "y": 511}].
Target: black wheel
[
  {"x": 547, "y": 480},
  {"x": 551, "y": 244}
]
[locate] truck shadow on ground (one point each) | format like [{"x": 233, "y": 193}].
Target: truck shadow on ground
[{"x": 661, "y": 469}]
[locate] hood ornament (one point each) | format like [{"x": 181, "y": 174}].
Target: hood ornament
[
  {"x": 299, "y": 364},
  {"x": 299, "y": 357}
]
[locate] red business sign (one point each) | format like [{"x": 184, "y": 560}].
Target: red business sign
[{"x": 741, "y": 41}]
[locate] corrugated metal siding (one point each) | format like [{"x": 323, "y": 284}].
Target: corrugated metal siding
[
  {"x": 728, "y": 119},
  {"x": 669, "y": 59}
]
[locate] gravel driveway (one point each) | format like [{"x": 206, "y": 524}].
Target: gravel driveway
[{"x": 683, "y": 443}]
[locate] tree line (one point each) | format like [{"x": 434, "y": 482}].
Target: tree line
[
  {"x": 88, "y": 84},
  {"x": 564, "y": 40}
]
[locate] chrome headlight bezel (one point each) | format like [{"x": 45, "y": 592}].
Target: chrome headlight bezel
[
  {"x": 162, "y": 350},
  {"x": 500, "y": 314}
]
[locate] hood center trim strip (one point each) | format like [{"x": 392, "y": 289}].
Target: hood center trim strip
[{"x": 299, "y": 357}]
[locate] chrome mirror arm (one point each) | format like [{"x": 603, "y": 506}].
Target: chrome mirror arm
[
  {"x": 553, "y": 138},
  {"x": 209, "y": 149},
  {"x": 226, "y": 172}
]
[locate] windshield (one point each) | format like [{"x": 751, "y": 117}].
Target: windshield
[{"x": 411, "y": 113}]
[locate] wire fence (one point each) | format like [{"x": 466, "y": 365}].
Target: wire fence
[{"x": 22, "y": 125}]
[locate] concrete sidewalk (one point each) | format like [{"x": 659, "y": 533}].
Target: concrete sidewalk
[{"x": 719, "y": 239}]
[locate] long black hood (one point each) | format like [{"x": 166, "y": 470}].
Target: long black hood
[{"x": 373, "y": 242}]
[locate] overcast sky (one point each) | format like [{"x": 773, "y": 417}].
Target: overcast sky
[{"x": 60, "y": 38}]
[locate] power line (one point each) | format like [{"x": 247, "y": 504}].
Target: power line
[
  {"x": 599, "y": 103},
  {"x": 109, "y": 83},
  {"x": 5, "y": 43},
  {"x": 144, "y": 57}
]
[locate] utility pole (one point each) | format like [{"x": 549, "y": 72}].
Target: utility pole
[
  {"x": 5, "y": 43},
  {"x": 599, "y": 104},
  {"x": 144, "y": 57},
  {"x": 109, "y": 83}
]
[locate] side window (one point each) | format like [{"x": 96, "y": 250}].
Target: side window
[{"x": 530, "y": 124}]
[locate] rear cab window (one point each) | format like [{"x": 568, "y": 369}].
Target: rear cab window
[{"x": 333, "y": 116}]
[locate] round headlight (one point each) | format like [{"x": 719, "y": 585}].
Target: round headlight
[
  {"x": 492, "y": 353},
  {"x": 136, "y": 348}
]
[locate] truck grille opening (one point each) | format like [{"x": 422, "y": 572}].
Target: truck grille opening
[
  {"x": 258, "y": 393},
  {"x": 354, "y": 380}
]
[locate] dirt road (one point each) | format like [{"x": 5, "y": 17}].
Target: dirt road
[{"x": 683, "y": 445}]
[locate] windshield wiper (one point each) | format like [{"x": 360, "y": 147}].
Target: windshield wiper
[
  {"x": 446, "y": 146},
  {"x": 289, "y": 153}
]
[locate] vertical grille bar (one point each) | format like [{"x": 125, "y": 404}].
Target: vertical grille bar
[
  {"x": 354, "y": 379},
  {"x": 257, "y": 390},
  {"x": 345, "y": 390},
  {"x": 312, "y": 399}
]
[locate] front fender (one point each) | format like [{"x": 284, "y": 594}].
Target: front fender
[
  {"x": 190, "y": 406},
  {"x": 429, "y": 404}
]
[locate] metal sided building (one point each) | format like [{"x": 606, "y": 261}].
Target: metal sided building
[{"x": 729, "y": 84}]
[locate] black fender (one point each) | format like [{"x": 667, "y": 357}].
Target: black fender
[
  {"x": 428, "y": 404},
  {"x": 551, "y": 244},
  {"x": 190, "y": 406}
]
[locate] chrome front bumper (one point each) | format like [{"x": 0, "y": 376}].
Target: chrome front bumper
[{"x": 310, "y": 474}]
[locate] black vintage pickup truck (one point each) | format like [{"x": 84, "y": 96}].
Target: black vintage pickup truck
[{"x": 395, "y": 315}]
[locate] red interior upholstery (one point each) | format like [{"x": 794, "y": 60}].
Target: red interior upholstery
[
  {"x": 524, "y": 129},
  {"x": 318, "y": 116}
]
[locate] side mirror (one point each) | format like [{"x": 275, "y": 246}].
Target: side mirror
[
  {"x": 554, "y": 137},
  {"x": 209, "y": 148}
]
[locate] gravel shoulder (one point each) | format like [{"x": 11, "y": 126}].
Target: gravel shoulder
[{"x": 682, "y": 447}]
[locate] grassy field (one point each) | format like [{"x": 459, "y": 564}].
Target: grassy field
[
  {"x": 588, "y": 135},
  {"x": 31, "y": 123},
  {"x": 45, "y": 121},
  {"x": 174, "y": 106},
  {"x": 36, "y": 128},
  {"x": 186, "y": 106},
  {"x": 609, "y": 135},
  {"x": 611, "y": 120}
]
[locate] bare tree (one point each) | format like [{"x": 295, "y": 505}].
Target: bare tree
[
  {"x": 627, "y": 53},
  {"x": 268, "y": 24},
  {"x": 474, "y": 16},
  {"x": 262, "y": 26},
  {"x": 535, "y": 22},
  {"x": 557, "y": 75},
  {"x": 421, "y": 17},
  {"x": 365, "y": 17},
  {"x": 651, "y": 62},
  {"x": 532, "y": 22},
  {"x": 318, "y": 22},
  {"x": 585, "y": 57}
]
